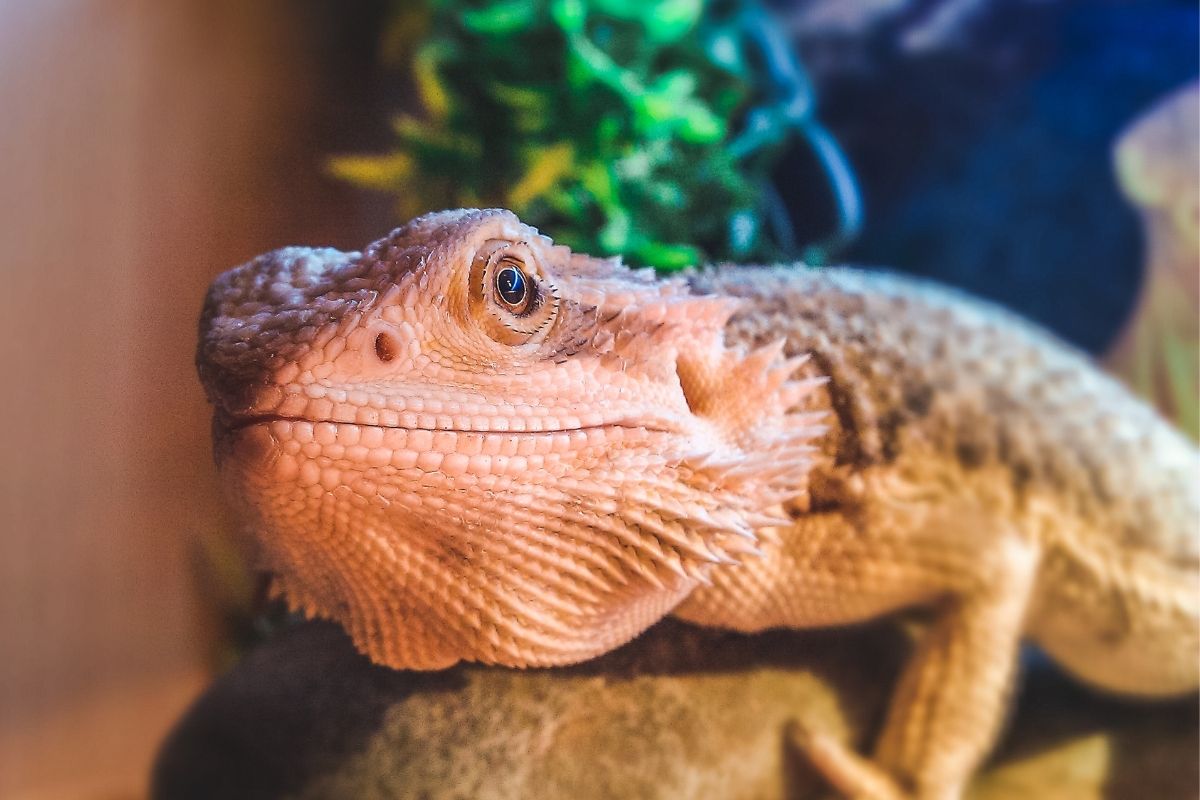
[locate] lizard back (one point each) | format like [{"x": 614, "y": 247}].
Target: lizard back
[{"x": 914, "y": 367}]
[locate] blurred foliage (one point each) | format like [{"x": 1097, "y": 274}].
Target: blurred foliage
[
  {"x": 1157, "y": 160},
  {"x": 607, "y": 123}
]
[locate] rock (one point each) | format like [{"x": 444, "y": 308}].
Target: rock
[{"x": 679, "y": 713}]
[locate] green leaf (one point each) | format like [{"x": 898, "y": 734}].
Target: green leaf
[
  {"x": 531, "y": 107},
  {"x": 670, "y": 20},
  {"x": 678, "y": 84},
  {"x": 654, "y": 110},
  {"x": 435, "y": 95},
  {"x": 387, "y": 172},
  {"x": 604, "y": 122},
  {"x": 569, "y": 15},
  {"x": 625, "y": 9},
  {"x": 668, "y": 257},
  {"x": 725, "y": 51},
  {"x": 665, "y": 21},
  {"x": 598, "y": 180},
  {"x": 667, "y": 194},
  {"x": 609, "y": 130},
  {"x": 634, "y": 166},
  {"x": 545, "y": 169},
  {"x": 419, "y": 132},
  {"x": 499, "y": 19},
  {"x": 614, "y": 236},
  {"x": 700, "y": 125}
]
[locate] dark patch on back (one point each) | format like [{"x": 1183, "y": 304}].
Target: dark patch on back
[
  {"x": 841, "y": 400},
  {"x": 971, "y": 453},
  {"x": 918, "y": 398},
  {"x": 890, "y": 425}
]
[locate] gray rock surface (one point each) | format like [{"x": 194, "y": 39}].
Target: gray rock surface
[{"x": 679, "y": 713}]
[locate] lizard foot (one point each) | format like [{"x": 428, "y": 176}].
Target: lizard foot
[{"x": 851, "y": 774}]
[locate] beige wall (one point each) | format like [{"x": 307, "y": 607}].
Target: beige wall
[{"x": 144, "y": 146}]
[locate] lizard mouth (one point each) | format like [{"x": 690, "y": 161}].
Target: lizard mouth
[{"x": 233, "y": 423}]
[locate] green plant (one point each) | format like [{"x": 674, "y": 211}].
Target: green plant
[{"x": 607, "y": 123}]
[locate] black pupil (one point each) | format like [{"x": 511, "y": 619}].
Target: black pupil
[{"x": 511, "y": 284}]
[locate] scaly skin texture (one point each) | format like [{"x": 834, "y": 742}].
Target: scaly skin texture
[{"x": 468, "y": 443}]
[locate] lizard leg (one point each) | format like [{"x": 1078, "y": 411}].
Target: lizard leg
[
  {"x": 975, "y": 573},
  {"x": 948, "y": 705}
]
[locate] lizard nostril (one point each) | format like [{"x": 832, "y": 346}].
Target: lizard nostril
[{"x": 385, "y": 347}]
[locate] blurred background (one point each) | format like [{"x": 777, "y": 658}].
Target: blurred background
[{"x": 1042, "y": 153}]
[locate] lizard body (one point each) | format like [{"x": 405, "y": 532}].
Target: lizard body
[{"x": 468, "y": 443}]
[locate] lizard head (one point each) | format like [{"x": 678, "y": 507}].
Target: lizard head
[{"x": 467, "y": 442}]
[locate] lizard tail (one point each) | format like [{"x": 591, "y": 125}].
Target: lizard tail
[{"x": 1126, "y": 626}]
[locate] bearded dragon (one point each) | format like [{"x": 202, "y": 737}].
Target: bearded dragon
[{"x": 469, "y": 443}]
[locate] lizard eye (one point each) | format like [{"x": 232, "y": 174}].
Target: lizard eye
[
  {"x": 514, "y": 288},
  {"x": 510, "y": 294}
]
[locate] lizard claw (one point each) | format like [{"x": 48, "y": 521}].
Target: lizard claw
[{"x": 851, "y": 774}]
